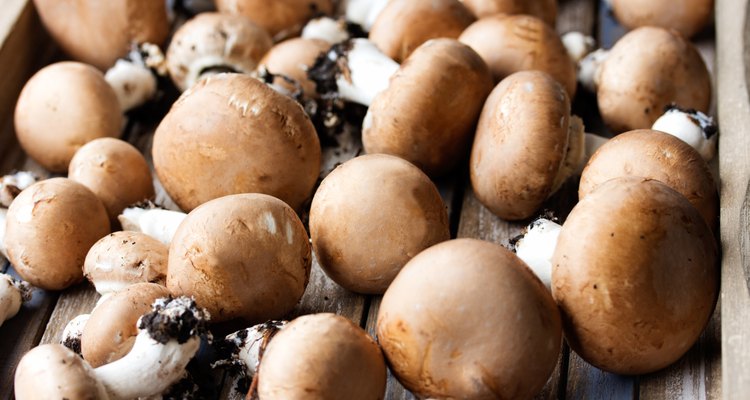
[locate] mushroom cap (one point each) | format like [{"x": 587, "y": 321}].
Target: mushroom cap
[
  {"x": 280, "y": 18},
  {"x": 636, "y": 276},
  {"x": 655, "y": 155},
  {"x": 50, "y": 227},
  {"x": 322, "y": 356},
  {"x": 293, "y": 57},
  {"x": 520, "y": 144},
  {"x": 233, "y": 134},
  {"x": 115, "y": 171},
  {"x": 685, "y": 16},
  {"x": 110, "y": 332},
  {"x": 468, "y": 319},
  {"x": 546, "y": 10},
  {"x": 61, "y": 108},
  {"x": 512, "y": 43},
  {"x": 404, "y": 25},
  {"x": 99, "y": 32},
  {"x": 370, "y": 216},
  {"x": 214, "y": 40},
  {"x": 648, "y": 69},
  {"x": 241, "y": 256},
  {"x": 124, "y": 258},
  {"x": 428, "y": 113},
  {"x": 53, "y": 371}
]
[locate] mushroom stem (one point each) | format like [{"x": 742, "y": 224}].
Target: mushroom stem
[
  {"x": 12, "y": 294},
  {"x": 588, "y": 69},
  {"x": 578, "y": 45},
  {"x": 156, "y": 222},
  {"x": 326, "y": 28},
  {"x": 132, "y": 78},
  {"x": 364, "y": 12},
  {"x": 537, "y": 246},
  {"x": 593, "y": 143},
  {"x": 71, "y": 336},
  {"x": 246, "y": 346},
  {"x": 692, "y": 127}
]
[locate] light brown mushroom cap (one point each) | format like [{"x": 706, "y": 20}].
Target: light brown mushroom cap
[
  {"x": 636, "y": 276},
  {"x": 428, "y": 113},
  {"x": 115, "y": 171},
  {"x": 110, "y": 332},
  {"x": 218, "y": 41},
  {"x": 233, "y": 134},
  {"x": 685, "y": 16},
  {"x": 241, "y": 256},
  {"x": 370, "y": 216},
  {"x": 520, "y": 144},
  {"x": 50, "y": 227},
  {"x": 513, "y": 43},
  {"x": 62, "y": 107},
  {"x": 655, "y": 155},
  {"x": 467, "y": 319},
  {"x": 322, "y": 357},
  {"x": 280, "y": 18},
  {"x": 53, "y": 371},
  {"x": 648, "y": 69},
  {"x": 404, "y": 25},
  {"x": 546, "y": 10},
  {"x": 125, "y": 258},
  {"x": 293, "y": 57},
  {"x": 99, "y": 32}
]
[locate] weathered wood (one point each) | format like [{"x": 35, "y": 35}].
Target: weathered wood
[
  {"x": 588, "y": 382},
  {"x": 79, "y": 299}
]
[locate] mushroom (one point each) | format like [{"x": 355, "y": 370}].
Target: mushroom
[
  {"x": 692, "y": 127},
  {"x": 537, "y": 245},
  {"x": 12, "y": 294},
  {"x": 99, "y": 33},
  {"x": 467, "y": 319},
  {"x": 635, "y": 275},
  {"x": 292, "y": 58},
  {"x": 115, "y": 171},
  {"x": 49, "y": 229},
  {"x": 241, "y": 256},
  {"x": 578, "y": 45},
  {"x": 403, "y": 25},
  {"x": 62, "y": 107},
  {"x": 344, "y": 363},
  {"x": 280, "y": 18},
  {"x": 327, "y": 29},
  {"x": 513, "y": 43},
  {"x": 245, "y": 347},
  {"x": 546, "y": 10},
  {"x": 233, "y": 134},
  {"x": 370, "y": 216},
  {"x": 152, "y": 220},
  {"x": 10, "y": 187},
  {"x": 132, "y": 78},
  {"x": 685, "y": 16},
  {"x": 364, "y": 12}
]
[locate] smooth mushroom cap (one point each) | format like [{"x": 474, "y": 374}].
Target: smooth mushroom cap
[
  {"x": 546, "y": 10},
  {"x": 115, "y": 171},
  {"x": 428, "y": 113},
  {"x": 62, "y": 107},
  {"x": 655, "y": 155},
  {"x": 512, "y": 43},
  {"x": 467, "y": 319},
  {"x": 110, "y": 332},
  {"x": 52, "y": 371},
  {"x": 233, "y": 134},
  {"x": 49, "y": 229},
  {"x": 685, "y": 16},
  {"x": 322, "y": 357},
  {"x": 125, "y": 258},
  {"x": 636, "y": 276},
  {"x": 648, "y": 69},
  {"x": 241, "y": 256},
  {"x": 280, "y": 18},
  {"x": 99, "y": 32},
  {"x": 520, "y": 144},
  {"x": 404, "y": 25},
  {"x": 293, "y": 57},
  {"x": 222, "y": 42},
  {"x": 370, "y": 216}
]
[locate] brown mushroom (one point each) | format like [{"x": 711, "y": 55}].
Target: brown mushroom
[
  {"x": 52, "y": 371},
  {"x": 685, "y": 16},
  {"x": 546, "y": 10},
  {"x": 292, "y": 58},
  {"x": 280, "y": 18}
]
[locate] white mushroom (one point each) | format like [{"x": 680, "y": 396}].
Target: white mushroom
[
  {"x": 12, "y": 294},
  {"x": 692, "y": 127},
  {"x": 132, "y": 77},
  {"x": 536, "y": 247},
  {"x": 326, "y": 28},
  {"x": 156, "y": 222},
  {"x": 245, "y": 347}
]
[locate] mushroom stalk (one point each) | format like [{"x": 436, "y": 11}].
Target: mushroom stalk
[
  {"x": 364, "y": 12},
  {"x": 245, "y": 347},
  {"x": 12, "y": 294},
  {"x": 588, "y": 69},
  {"x": 581, "y": 146},
  {"x": 71, "y": 336},
  {"x": 326, "y": 28},
  {"x": 692, "y": 127},
  {"x": 132, "y": 77},
  {"x": 537, "y": 246},
  {"x": 156, "y": 222},
  {"x": 578, "y": 45}
]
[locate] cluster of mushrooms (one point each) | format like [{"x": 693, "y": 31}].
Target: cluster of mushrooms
[{"x": 630, "y": 279}]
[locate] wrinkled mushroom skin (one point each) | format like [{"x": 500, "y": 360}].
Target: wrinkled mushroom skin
[
  {"x": 428, "y": 113},
  {"x": 370, "y": 216},
  {"x": 527, "y": 111},
  {"x": 512, "y": 43},
  {"x": 635, "y": 274},
  {"x": 280, "y": 18},
  {"x": 52, "y": 371},
  {"x": 293, "y": 57},
  {"x": 322, "y": 357},
  {"x": 233, "y": 134},
  {"x": 49, "y": 229},
  {"x": 655, "y": 155},
  {"x": 685, "y": 16},
  {"x": 404, "y": 25},
  {"x": 242, "y": 256},
  {"x": 467, "y": 319},
  {"x": 62, "y": 107},
  {"x": 648, "y": 69},
  {"x": 546, "y": 10}
]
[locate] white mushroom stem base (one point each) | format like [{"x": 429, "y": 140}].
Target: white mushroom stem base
[
  {"x": 326, "y": 28},
  {"x": 578, "y": 45},
  {"x": 369, "y": 72},
  {"x": 537, "y": 246},
  {"x": 132, "y": 79},
  {"x": 12, "y": 295},
  {"x": 71, "y": 336},
  {"x": 692, "y": 127},
  {"x": 158, "y": 223},
  {"x": 248, "y": 344},
  {"x": 364, "y": 12},
  {"x": 588, "y": 69}
]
